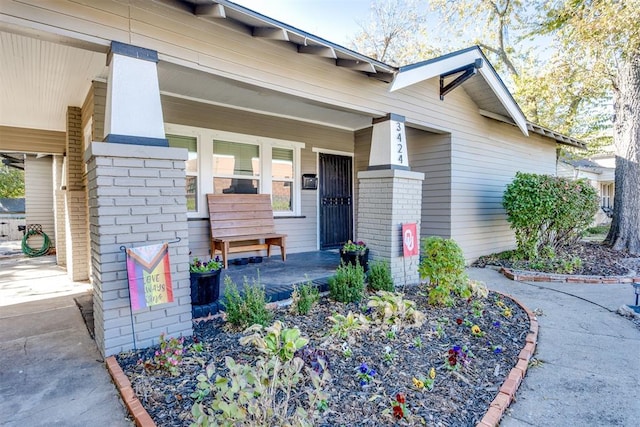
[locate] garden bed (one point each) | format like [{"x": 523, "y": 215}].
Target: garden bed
[{"x": 460, "y": 396}]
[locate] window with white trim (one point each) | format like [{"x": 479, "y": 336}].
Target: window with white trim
[
  {"x": 226, "y": 163},
  {"x": 191, "y": 167}
]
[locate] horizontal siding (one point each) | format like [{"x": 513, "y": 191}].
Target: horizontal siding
[
  {"x": 13, "y": 139},
  {"x": 431, "y": 154},
  {"x": 38, "y": 189}
]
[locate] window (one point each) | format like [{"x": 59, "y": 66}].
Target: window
[
  {"x": 224, "y": 163},
  {"x": 191, "y": 167},
  {"x": 236, "y": 168},
  {"x": 282, "y": 179},
  {"x": 606, "y": 191}
]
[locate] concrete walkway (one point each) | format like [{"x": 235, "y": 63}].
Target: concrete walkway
[
  {"x": 51, "y": 373},
  {"x": 589, "y": 373}
]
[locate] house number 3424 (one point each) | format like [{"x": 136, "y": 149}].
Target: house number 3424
[{"x": 401, "y": 146}]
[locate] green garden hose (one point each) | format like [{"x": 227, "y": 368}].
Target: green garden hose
[{"x": 28, "y": 251}]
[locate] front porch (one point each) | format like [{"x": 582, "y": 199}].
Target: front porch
[{"x": 278, "y": 277}]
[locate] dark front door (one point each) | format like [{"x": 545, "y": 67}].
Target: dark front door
[{"x": 336, "y": 200}]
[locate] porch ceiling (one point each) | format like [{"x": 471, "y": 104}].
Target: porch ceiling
[{"x": 39, "y": 78}]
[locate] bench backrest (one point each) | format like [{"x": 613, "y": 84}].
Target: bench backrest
[{"x": 240, "y": 214}]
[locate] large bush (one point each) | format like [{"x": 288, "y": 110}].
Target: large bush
[
  {"x": 442, "y": 262},
  {"x": 548, "y": 212}
]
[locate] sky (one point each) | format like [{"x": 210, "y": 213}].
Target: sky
[{"x": 333, "y": 20}]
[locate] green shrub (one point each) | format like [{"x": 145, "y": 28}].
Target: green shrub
[
  {"x": 347, "y": 285},
  {"x": 548, "y": 212},
  {"x": 442, "y": 262},
  {"x": 247, "y": 309},
  {"x": 380, "y": 277},
  {"x": 303, "y": 298},
  {"x": 344, "y": 326}
]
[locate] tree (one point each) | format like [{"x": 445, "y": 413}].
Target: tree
[
  {"x": 11, "y": 182},
  {"x": 395, "y": 33},
  {"x": 607, "y": 31}
]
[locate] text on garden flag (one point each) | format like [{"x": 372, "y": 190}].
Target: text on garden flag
[
  {"x": 149, "y": 274},
  {"x": 410, "y": 240}
]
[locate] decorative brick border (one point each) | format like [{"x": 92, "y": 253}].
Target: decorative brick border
[
  {"x": 508, "y": 389},
  {"x": 491, "y": 418},
  {"x": 136, "y": 410},
  {"x": 529, "y": 276}
]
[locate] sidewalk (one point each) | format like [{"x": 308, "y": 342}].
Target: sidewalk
[
  {"x": 590, "y": 370},
  {"x": 51, "y": 373}
]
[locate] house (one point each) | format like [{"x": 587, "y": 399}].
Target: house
[
  {"x": 600, "y": 172},
  {"x": 141, "y": 108}
]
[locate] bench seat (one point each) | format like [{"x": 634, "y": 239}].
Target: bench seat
[{"x": 242, "y": 223}]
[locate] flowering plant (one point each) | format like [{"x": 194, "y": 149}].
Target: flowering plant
[
  {"x": 169, "y": 356},
  {"x": 198, "y": 266},
  {"x": 421, "y": 383},
  {"x": 458, "y": 357},
  {"x": 365, "y": 374},
  {"x": 476, "y": 331},
  {"x": 354, "y": 246},
  {"x": 399, "y": 406}
]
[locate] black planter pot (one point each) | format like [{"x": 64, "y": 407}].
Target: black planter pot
[
  {"x": 356, "y": 257},
  {"x": 205, "y": 287}
]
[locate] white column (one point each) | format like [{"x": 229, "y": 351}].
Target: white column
[
  {"x": 133, "y": 112},
  {"x": 389, "y": 144}
]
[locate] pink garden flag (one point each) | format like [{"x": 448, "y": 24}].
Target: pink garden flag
[{"x": 149, "y": 274}]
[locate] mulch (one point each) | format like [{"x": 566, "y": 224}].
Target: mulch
[
  {"x": 459, "y": 397},
  {"x": 597, "y": 260}
]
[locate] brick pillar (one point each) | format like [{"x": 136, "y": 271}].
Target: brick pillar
[
  {"x": 137, "y": 197},
  {"x": 59, "y": 212},
  {"x": 387, "y": 199},
  {"x": 77, "y": 246}
]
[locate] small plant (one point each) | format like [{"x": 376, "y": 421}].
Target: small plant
[
  {"x": 343, "y": 326},
  {"x": 354, "y": 246},
  {"x": 390, "y": 309},
  {"x": 347, "y": 285},
  {"x": 399, "y": 407},
  {"x": 379, "y": 277},
  {"x": 389, "y": 355},
  {"x": 476, "y": 331},
  {"x": 346, "y": 350},
  {"x": 304, "y": 298},
  {"x": 417, "y": 342},
  {"x": 391, "y": 333},
  {"x": 197, "y": 347},
  {"x": 261, "y": 394},
  {"x": 507, "y": 312},
  {"x": 427, "y": 383},
  {"x": 275, "y": 340},
  {"x": 365, "y": 374},
  {"x": 169, "y": 357},
  {"x": 458, "y": 357},
  {"x": 197, "y": 266},
  {"x": 248, "y": 309},
  {"x": 314, "y": 357},
  {"x": 477, "y": 308}
]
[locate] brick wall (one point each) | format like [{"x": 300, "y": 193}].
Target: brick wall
[
  {"x": 386, "y": 200},
  {"x": 136, "y": 197},
  {"x": 77, "y": 245}
]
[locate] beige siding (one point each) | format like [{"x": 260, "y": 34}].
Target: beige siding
[
  {"x": 39, "y": 196},
  {"x": 431, "y": 154},
  {"x": 22, "y": 140}
]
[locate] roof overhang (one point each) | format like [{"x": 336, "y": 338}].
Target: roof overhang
[
  {"x": 501, "y": 103},
  {"x": 261, "y": 26}
]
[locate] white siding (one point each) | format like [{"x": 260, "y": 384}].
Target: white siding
[{"x": 38, "y": 178}]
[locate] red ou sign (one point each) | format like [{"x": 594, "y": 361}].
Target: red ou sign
[{"x": 410, "y": 240}]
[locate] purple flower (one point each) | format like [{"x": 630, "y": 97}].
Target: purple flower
[
  {"x": 496, "y": 323},
  {"x": 363, "y": 382},
  {"x": 363, "y": 368},
  {"x": 372, "y": 372},
  {"x": 456, "y": 348},
  {"x": 497, "y": 350}
]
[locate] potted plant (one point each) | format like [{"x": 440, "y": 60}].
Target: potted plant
[
  {"x": 355, "y": 253},
  {"x": 205, "y": 281}
]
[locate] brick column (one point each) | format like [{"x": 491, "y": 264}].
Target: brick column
[
  {"x": 59, "y": 212},
  {"x": 137, "y": 197},
  {"x": 77, "y": 246},
  {"x": 387, "y": 199}
]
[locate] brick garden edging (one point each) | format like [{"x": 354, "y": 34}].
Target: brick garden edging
[
  {"x": 491, "y": 418},
  {"x": 530, "y": 276},
  {"x": 140, "y": 415},
  {"x": 508, "y": 389}
]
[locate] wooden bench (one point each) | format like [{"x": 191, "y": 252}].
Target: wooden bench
[{"x": 242, "y": 223}]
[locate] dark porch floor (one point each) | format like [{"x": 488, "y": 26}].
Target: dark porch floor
[{"x": 278, "y": 277}]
